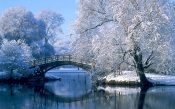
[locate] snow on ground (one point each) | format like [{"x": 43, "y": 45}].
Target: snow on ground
[
  {"x": 125, "y": 76},
  {"x": 161, "y": 79},
  {"x": 129, "y": 76}
]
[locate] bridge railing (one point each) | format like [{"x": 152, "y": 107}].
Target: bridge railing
[{"x": 61, "y": 58}]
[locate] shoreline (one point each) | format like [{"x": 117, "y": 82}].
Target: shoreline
[
  {"x": 114, "y": 82},
  {"x": 130, "y": 78}
]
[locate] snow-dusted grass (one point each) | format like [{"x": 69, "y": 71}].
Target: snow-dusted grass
[
  {"x": 131, "y": 77},
  {"x": 125, "y": 76}
]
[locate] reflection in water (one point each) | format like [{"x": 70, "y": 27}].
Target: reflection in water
[
  {"x": 160, "y": 98},
  {"x": 74, "y": 88},
  {"x": 76, "y": 93},
  {"x": 142, "y": 97}
]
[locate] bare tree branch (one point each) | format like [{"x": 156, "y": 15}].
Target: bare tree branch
[
  {"x": 98, "y": 25},
  {"x": 149, "y": 58},
  {"x": 147, "y": 66}
]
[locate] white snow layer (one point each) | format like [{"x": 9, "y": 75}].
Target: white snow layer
[{"x": 132, "y": 76}]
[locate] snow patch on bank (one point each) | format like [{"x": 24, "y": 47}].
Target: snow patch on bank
[
  {"x": 161, "y": 79},
  {"x": 128, "y": 76},
  {"x": 125, "y": 76}
]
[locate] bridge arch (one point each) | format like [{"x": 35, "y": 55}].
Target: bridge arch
[
  {"x": 49, "y": 63},
  {"x": 53, "y": 65}
]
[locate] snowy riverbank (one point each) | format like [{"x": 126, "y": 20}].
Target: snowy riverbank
[{"x": 131, "y": 78}]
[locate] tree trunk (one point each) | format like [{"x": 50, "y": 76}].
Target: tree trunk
[
  {"x": 137, "y": 55},
  {"x": 143, "y": 80}
]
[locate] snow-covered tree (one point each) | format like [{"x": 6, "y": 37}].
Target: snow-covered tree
[
  {"x": 38, "y": 32},
  {"x": 14, "y": 56},
  {"x": 81, "y": 47},
  {"x": 62, "y": 46},
  {"x": 141, "y": 40},
  {"x": 107, "y": 50},
  {"x": 17, "y": 23},
  {"x": 53, "y": 21},
  {"x": 42, "y": 50}
]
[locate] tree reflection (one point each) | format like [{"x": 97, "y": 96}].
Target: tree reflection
[
  {"x": 11, "y": 90},
  {"x": 142, "y": 96}
]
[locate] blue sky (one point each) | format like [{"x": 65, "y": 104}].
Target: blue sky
[{"x": 65, "y": 7}]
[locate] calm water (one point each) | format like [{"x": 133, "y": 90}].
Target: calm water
[{"x": 74, "y": 91}]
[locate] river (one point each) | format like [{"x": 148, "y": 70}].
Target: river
[{"x": 75, "y": 91}]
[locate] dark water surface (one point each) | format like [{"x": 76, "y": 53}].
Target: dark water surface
[{"x": 74, "y": 91}]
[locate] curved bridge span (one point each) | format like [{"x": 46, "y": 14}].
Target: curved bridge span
[{"x": 45, "y": 64}]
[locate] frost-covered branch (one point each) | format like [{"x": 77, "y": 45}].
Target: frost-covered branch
[
  {"x": 96, "y": 26},
  {"x": 148, "y": 61}
]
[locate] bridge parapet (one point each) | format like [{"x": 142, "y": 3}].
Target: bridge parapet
[{"x": 62, "y": 58}]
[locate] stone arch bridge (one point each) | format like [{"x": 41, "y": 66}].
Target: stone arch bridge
[{"x": 45, "y": 64}]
